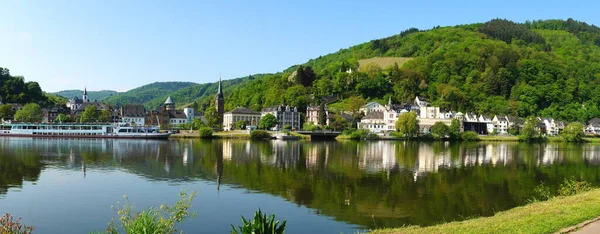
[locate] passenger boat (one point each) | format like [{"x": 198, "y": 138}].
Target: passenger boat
[{"x": 82, "y": 131}]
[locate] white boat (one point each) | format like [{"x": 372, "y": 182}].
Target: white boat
[{"x": 81, "y": 131}]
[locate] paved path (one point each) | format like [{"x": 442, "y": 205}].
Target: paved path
[{"x": 589, "y": 229}]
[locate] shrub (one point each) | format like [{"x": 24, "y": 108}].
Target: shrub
[
  {"x": 261, "y": 223},
  {"x": 360, "y": 134},
  {"x": 469, "y": 136},
  {"x": 427, "y": 137},
  {"x": 310, "y": 127},
  {"x": 260, "y": 134},
  {"x": 205, "y": 132},
  {"x": 571, "y": 187},
  {"x": 347, "y": 132},
  {"x": 11, "y": 226},
  {"x": 541, "y": 193},
  {"x": 152, "y": 220},
  {"x": 287, "y": 127}
]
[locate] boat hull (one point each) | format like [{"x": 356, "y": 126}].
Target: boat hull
[{"x": 113, "y": 136}]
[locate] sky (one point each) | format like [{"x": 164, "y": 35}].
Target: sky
[{"x": 120, "y": 45}]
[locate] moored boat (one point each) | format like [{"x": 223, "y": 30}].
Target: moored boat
[{"x": 81, "y": 131}]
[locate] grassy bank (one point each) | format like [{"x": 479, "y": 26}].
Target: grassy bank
[{"x": 540, "y": 217}]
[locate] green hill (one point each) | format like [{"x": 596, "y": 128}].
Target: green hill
[
  {"x": 548, "y": 67},
  {"x": 146, "y": 93},
  {"x": 92, "y": 95}
]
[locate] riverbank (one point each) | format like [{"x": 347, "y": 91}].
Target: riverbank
[
  {"x": 540, "y": 217},
  {"x": 236, "y": 134}
]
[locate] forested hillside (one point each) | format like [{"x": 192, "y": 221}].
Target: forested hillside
[
  {"x": 549, "y": 68},
  {"x": 14, "y": 89},
  {"x": 92, "y": 95},
  {"x": 146, "y": 93}
]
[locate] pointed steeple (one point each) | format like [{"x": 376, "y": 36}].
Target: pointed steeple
[
  {"x": 220, "y": 89},
  {"x": 390, "y": 102},
  {"x": 85, "y": 95},
  {"x": 84, "y": 90}
]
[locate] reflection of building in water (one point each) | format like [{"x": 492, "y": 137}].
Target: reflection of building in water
[
  {"x": 316, "y": 150},
  {"x": 377, "y": 156},
  {"x": 551, "y": 154},
  {"x": 285, "y": 154},
  {"x": 227, "y": 150},
  {"x": 591, "y": 154}
]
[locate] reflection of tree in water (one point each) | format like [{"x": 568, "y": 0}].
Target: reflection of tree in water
[
  {"x": 18, "y": 165},
  {"x": 374, "y": 184}
]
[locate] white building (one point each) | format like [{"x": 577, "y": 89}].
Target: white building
[
  {"x": 501, "y": 124},
  {"x": 374, "y": 122},
  {"x": 371, "y": 107},
  {"x": 488, "y": 121},
  {"x": 421, "y": 101},
  {"x": 133, "y": 114},
  {"x": 312, "y": 115},
  {"x": 593, "y": 126},
  {"x": 74, "y": 103},
  {"x": 249, "y": 116},
  {"x": 286, "y": 115}
]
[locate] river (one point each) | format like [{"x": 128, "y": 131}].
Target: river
[{"x": 69, "y": 185}]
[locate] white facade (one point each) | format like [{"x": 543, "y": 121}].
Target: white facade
[
  {"x": 374, "y": 122},
  {"x": 501, "y": 124},
  {"x": 247, "y": 115},
  {"x": 371, "y": 107},
  {"x": 138, "y": 121},
  {"x": 177, "y": 121},
  {"x": 488, "y": 121},
  {"x": 430, "y": 113}
]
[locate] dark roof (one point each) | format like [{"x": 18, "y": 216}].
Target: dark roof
[
  {"x": 595, "y": 122},
  {"x": 244, "y": 110},
  {"x": 421, "y": 98},
  {"x": 503, "y": 119},
  {"x": 347, "y": 117},
  {"x": 220, "y": 90},
  {"x": 176, "y": 114},
  {"x": 374, "y": 115},
  {"x": 99, "y": 106},
  {"x": 133, "y": 110},
  {"x": 316, "y": 108}
]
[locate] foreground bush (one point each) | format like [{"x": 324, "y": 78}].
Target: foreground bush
[
  {"x": 261, "y": 223},
  {"x": 260, "y": 134},
  {"x": 152, "y": 220},
  {"x": 10, "y": 226},
  {"x": 571, "y": 187},
  {"x": 469, "y": 136},
  {"x": 205, "y": 132},
  {"x": 363, "y": 134}
]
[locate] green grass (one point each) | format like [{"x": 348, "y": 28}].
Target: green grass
[
  {"x": 540, "y": 217},
  {"x": 498, "y": 138},
  {"x": 299, "y": 135}
]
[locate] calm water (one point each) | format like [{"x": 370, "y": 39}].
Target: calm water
[{"x": 69, "y": 185}]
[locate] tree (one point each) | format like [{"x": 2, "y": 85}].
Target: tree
[
  {"x": 212, "y": 117},
  {"x": 267, "y": 121},
  {"x": 322, "y": 115},
  {"x": 205, "y": 132},
  {"x": 407, "y": 124},
  {"x": 529, "y": 133},
  {"x": 197, "y": 124},
  {"x": 30, "y": 113},
  {"x": 63, "y": 118},
  {"x": 90, "y": 114},
  {"x": 339, "y": 123},
  {"x": 440, "y": 129},
  {"x": 455, "y": 128},
  {"x": 105, "y": 116},
  {"x": 6, "y": 111},
  {"x": 241, "y": 124},
  {"x": 573, "y": 132}
]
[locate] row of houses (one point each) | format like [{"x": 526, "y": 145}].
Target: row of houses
[{"x": 381, "y": 119}]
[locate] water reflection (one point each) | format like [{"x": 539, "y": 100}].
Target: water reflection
[{"x": 373, "y": 184}]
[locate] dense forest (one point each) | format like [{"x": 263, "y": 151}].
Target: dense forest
[
  {"x": 92, "y": 95},
  {"x": 146, "y": 93},
  {"x": 549, "y": 68},
  {"x": 14, "y": 89}
]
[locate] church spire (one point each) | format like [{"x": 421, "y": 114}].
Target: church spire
[{"x": 220, "y": 89}]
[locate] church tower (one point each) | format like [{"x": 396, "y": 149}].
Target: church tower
[
  {"x": 170, "y": 104},
  {"x": 85, "y": 96},
  {"x": 220, "y": 102}
]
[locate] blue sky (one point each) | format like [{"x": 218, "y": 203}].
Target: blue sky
[{"x": 120, "y": 45}]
